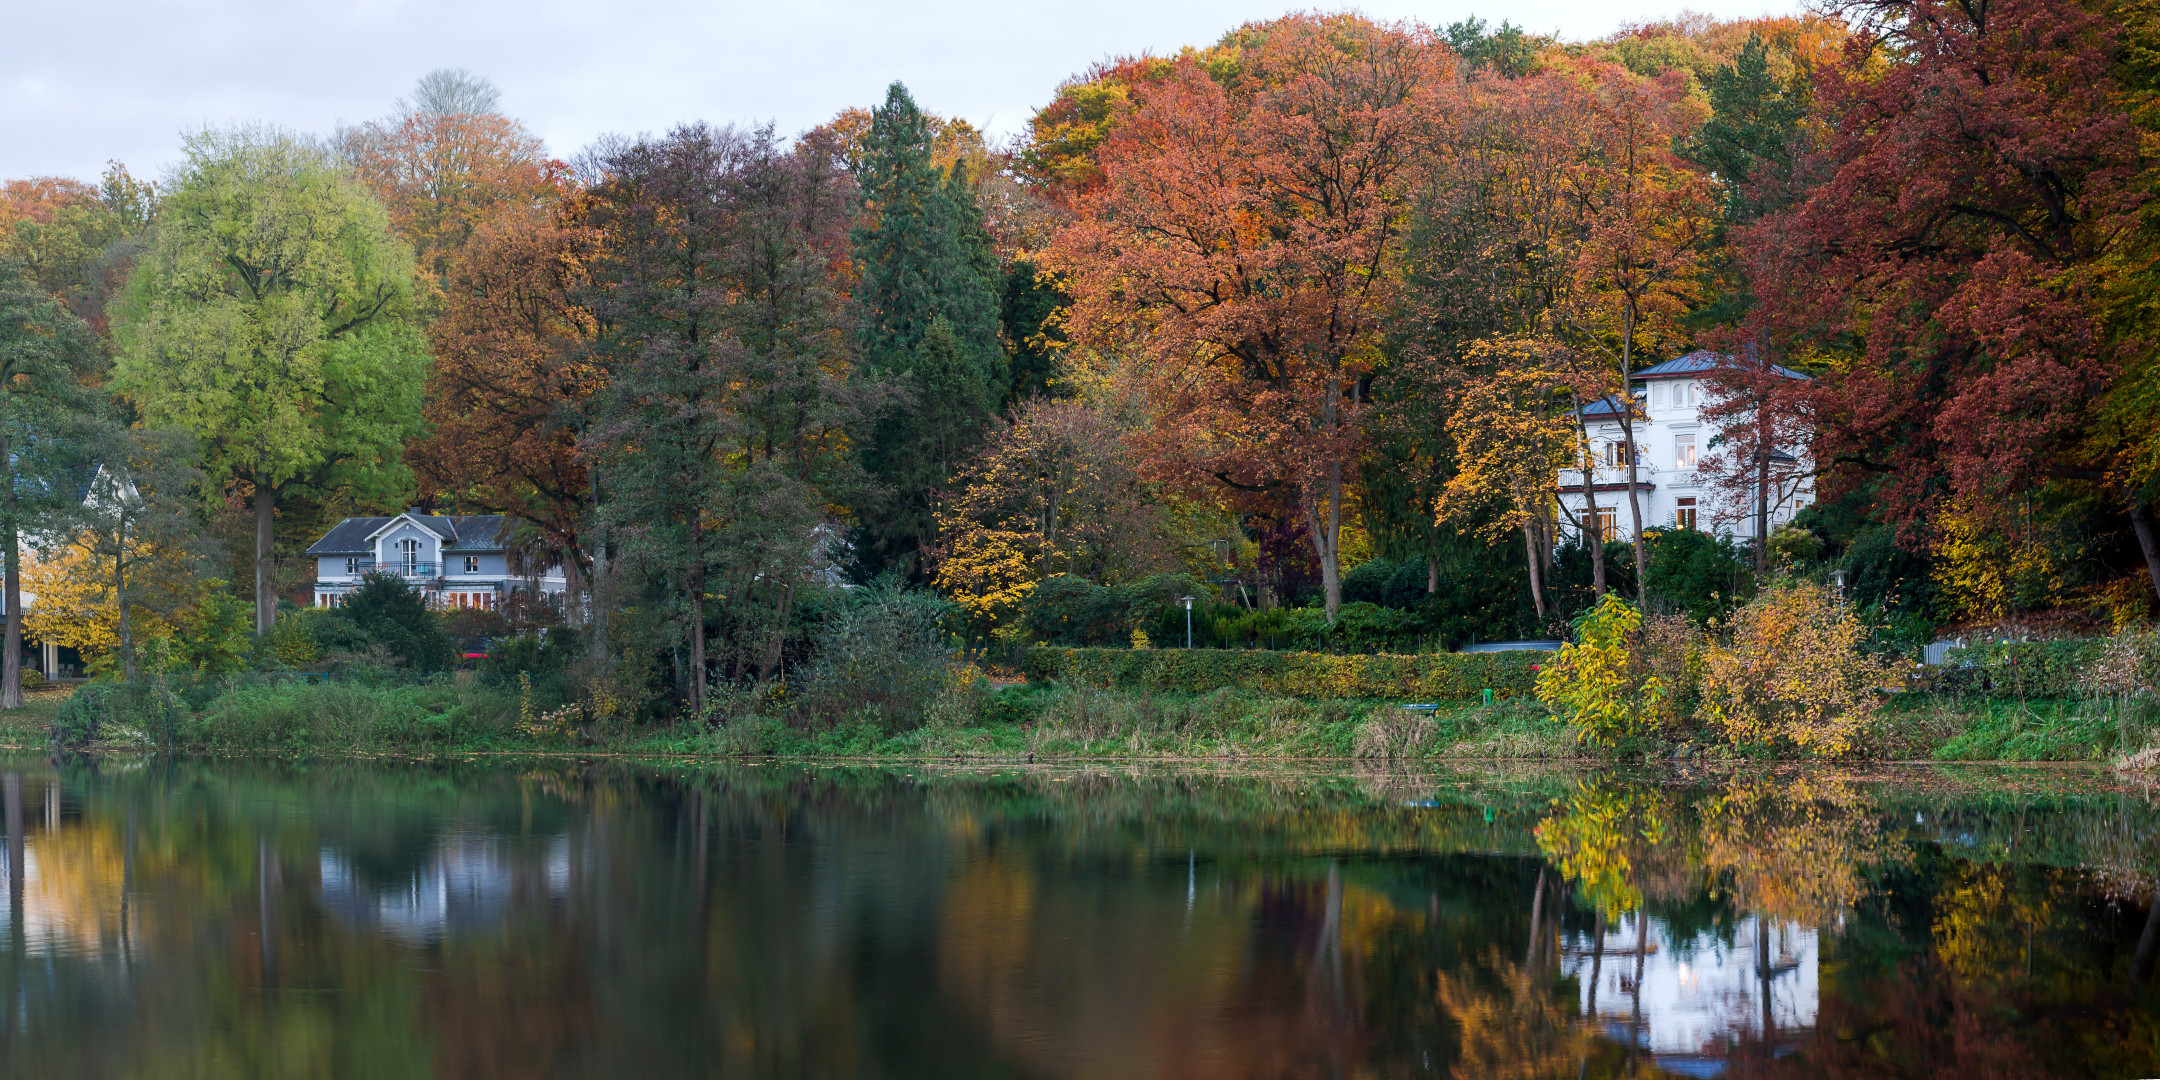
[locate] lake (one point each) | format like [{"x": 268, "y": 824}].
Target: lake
[{"x": 258, "y": 917}]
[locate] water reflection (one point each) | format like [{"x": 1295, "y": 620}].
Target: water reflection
[{"x": 269, "y": 918}]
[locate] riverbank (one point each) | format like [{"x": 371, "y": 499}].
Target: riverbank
[{"x": 1035, "y": 721}]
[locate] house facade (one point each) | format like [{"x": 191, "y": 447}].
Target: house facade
[
  {"x": 1672, "y": 440},
  {"x": 454, "y": 560}
]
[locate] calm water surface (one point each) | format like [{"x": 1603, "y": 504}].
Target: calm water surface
[{"x": 258, "y": 918}]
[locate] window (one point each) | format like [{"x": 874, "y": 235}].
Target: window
[
  {"x": 472, "y": 564},
  {"x": 1684, "y": 452},
  {"x": 1607, "y": 524},
  {"x": 1691, "y": 393},
  {"x": 409, "y": 555},
  {"x": 1684, "y": 513},
  {"x": 352, "y": 565},
  {"x": 1615, "y": 454}
]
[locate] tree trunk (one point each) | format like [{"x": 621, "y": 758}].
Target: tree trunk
[
  {"x": 2148, "y": 536},
  {"x": 1593, "y": 537},
  {"x": 1627, "y": 432},
  {"x": 120, "y": 601},
  {"x": 11, "y": 695},
  {"x": 1326, "y": 532},
  {"x": 1537, "y": 586},
  {"x": 2148, "y": 947},
  {"x": 265, "y": 593},
  {"x": 1762, "y": 500},
  {"x": 778, "y": 642},
  {"x": 697, "y": 647}
]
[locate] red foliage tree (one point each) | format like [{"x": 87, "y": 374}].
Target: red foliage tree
[
  {"x": 1239, "y": 254},
  {"x": 1975, "y": 169}
]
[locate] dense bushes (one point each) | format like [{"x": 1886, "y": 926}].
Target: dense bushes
[
  {"x": 882, "y": 658},
  {"x": 1429, "y": 677},
  {"x": 284, "y": 712}
]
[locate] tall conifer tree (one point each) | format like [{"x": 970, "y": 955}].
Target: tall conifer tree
[{"x": 930, "y": 310}]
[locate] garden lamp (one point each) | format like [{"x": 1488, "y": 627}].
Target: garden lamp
[{"x": 1188, "y": 620}]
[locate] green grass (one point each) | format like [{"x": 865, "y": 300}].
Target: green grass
[
  {"x": 1081, "y": 722},
  {"x": 1049, "y": 722},
  {"x": 2012, "y": 730}
]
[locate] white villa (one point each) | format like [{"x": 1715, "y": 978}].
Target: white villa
[
  {"x": 455, "y": 560},
  {"x": 1671, "y": 439}
]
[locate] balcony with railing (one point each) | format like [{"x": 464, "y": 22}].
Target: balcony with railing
[{"x": 356, "y": 568}]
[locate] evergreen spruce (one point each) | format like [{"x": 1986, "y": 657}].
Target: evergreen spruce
[{"x": 930, "y": 313}]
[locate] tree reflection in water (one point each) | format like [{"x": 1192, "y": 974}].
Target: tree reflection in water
[{"x": 275, "y": 918}]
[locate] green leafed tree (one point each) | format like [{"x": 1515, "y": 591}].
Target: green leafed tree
[
  {"x": 930, "y": 309},
  {"x": 46, "y": 353},
  {"x": 272, "y": 318}
]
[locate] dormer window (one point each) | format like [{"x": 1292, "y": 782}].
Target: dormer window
[{"x": 409, "y": 556}]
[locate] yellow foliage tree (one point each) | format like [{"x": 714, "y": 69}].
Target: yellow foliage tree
[
  {"x": 1794, "y": 674},
  {"x": 1598, "y": 682},
  {"x": 1990, "y": 567},
  {"x": 75, "y": 608}
]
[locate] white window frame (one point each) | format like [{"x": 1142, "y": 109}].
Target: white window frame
[
  {"x": 472, "y": 564},
  {"x": 409, "y": 555},
  {"x": 1684, "y": 452}
]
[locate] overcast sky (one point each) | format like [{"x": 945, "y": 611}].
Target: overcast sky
[{"x": 88, "y": 82}]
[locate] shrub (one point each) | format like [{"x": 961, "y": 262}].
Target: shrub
[
  {"x": 391, "y": 613},
  {"x": 1428, "y": 677},
  {"x": 1795, "y": 673},
  {"x": 98, "y": 710},
  {"x": 883, "y": 655},
  {"x": 286, "y": 713},
  {"x": 1696, "y": 572},
  {"x": 1598, "y": 682},
  {"x": 2054, "y": 668}
]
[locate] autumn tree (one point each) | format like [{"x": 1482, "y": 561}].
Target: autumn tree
[
  {"x": 1516, "y": 427},
  {"x": 1240, "y": 253},
  {"x": 1637, "y": 266},
  {"x": 446, "y": 163},
  {"x": 723, "y": 428},
  {"x": 1052, "y": 491},
  {"x": 503, "y": 394},
  {"x": 76, "y": 240},
  {"x": 272, "y": 319},
  {"x": 1977, "y": 172},
  {"x": 46, "y": 410}
]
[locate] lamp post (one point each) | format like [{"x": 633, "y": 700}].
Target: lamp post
[
  {"x": 1188, "y": 620},
  {"x": 1838, "y": 576}
]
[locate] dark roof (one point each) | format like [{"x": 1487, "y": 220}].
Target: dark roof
[
  {"x": 1609, "y": 405},
  {"x": 1697, "y": 362},
  {"x": 460, "y": 532}
]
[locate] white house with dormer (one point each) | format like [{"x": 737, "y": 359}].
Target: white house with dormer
[
  {"x": 1672, "y": 441},
  {"x": 454, "y": 560}
]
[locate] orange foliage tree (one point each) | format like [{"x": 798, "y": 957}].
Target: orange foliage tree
[
  {"x": 1239, "y": 254},
  {"x": 507, "y": 376},
  {"x": 444, "y": 175}
]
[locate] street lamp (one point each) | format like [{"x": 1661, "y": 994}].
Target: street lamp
[
  {"x": 1188, "y": 620},
  {"x": 1838, "y": 576}
]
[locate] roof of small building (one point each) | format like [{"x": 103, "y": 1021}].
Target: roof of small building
[
  {"x": 1699, "y": 361},
  {"x": 459, "y": 532}
]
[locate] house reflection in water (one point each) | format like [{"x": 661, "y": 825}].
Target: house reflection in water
[
  {"x": 469, "y": 882},
  {"x": 1689, "y": 1002}
]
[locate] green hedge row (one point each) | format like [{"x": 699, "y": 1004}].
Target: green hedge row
[
  {"x": 1425, "y": 677},
  {"x": 2052, "y": 668}
]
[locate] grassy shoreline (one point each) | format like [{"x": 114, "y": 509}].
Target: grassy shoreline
[{"x": 1054, "y": 722}]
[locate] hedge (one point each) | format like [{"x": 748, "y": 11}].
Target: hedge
[
  {"x": 1424, "y": 677},
  {"x": 2053, "y": 668}
]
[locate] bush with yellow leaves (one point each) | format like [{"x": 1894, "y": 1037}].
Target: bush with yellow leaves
[
  {"x": 1599, "y": 682},
  {"x": 1793, "y": 673}
]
